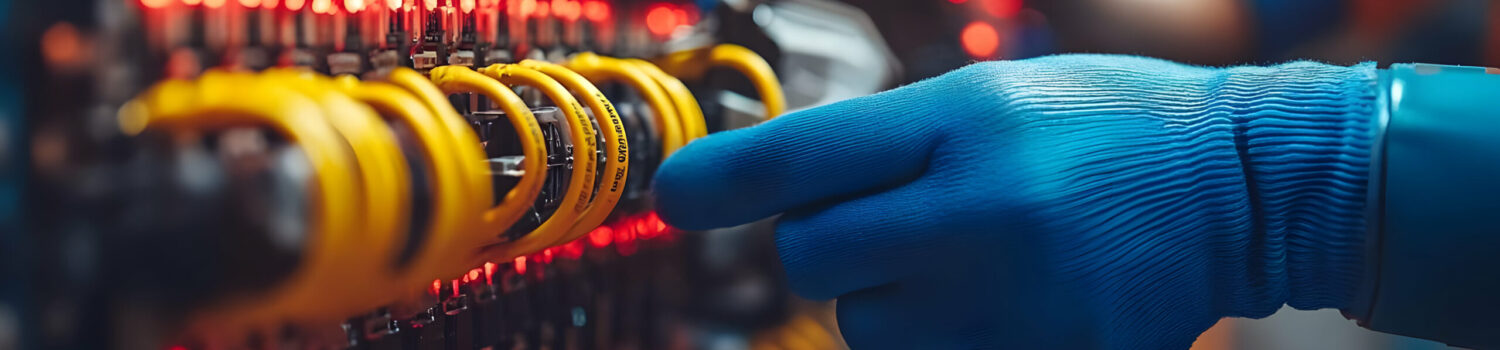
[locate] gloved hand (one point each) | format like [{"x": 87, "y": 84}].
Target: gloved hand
[{"x": 1075, "y": 201}]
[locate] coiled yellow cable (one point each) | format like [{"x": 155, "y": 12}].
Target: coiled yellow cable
[
  {"x": 580, "y": 188},
  {"x": 693, "y": 124},
  {"x": 385, "y": 181},
  {"x": 693, "y": 64},
  {"x": 222, "y": 99},
  {"x": 616, "y": 147},
  {"x": 452, "y": 212},
  {"x": 600, "y": 69},
  {"x": 459, "y": 79}
]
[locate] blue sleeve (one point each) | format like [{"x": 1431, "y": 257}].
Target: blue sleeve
[{"x": 1435, "y": 253}]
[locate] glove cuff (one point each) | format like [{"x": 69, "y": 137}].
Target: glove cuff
[{"x": 1304, "y": 132}]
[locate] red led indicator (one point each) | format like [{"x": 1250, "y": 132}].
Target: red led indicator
[
  {"x": 597, "y": 11},
  {"x": 980, "y": 40},
  {"x": 601, "y": 236},
  {"x": 662, "y": 19}
]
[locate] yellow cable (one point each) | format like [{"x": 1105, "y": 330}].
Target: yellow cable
[
  {"x": 693, "y": 124},
  {"x": 693, "y": 64},
  {"x": 616, "y": 147},
  {"x": 222, "y": 99},
  {"x": 381, "y": 168},
  {"x": 459, "y": 79},
  {"x": 600, "y": 69},
  {"x": 580, "y": 188},
  {"x": 452, "y": 212}
]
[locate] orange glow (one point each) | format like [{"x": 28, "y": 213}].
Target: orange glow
[
  {"x": 155, "y": 4},
  {"x": 250, "y": 3},
  {"x": 543, "y": 9},
  {"x": 354, "y": 6},
  {"x": 520, "y": 265},
  {"x": 295, "y": 5},
  {"x": 473, "y": 275},
  {"x": 430, "y": 4},
  {"x": 466, "y": 6},
  {"x": 192, "y": 2},
  {"x": 393, "y": 4},
  {"x": 662, "y": 19},
  {"x": 213, "y": 4},
  {"x": 567, "y": 10},
  {"x": 525, "y": 8},
  {"x": 62, "y": 45},
  {"x": 1002, "y": 8},
  {"x": 489, "y": 272},
  {"x": 269, "y": 4},
  {"x": 601, "y": 236},
  {"x": 320, "y": 6},
  {"x": 980, "y": 40},
  {"x": 597, "y": 11},
  {"x": 454, "y": 293}
]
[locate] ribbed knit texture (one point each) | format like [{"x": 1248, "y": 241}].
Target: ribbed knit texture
[{"x": 1132, "y": 201}]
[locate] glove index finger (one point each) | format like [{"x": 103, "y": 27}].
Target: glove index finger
[{"x": 843, "y": 149}]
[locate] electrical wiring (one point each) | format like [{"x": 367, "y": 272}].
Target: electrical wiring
[
  {"x": 693, "y": 124},
  {"x": 465, "y": 143},
  {"x": 616, "y": 147},
  {"x": 600, "y": 69},
  {"x": 580, "y": 188},
  {"x": 385, "y": 193},
  {"x": 223, "y": 99},
  {"x": 451, "y": 212},
  {"x": 693, "y": 64},
  {"x": 459, "y": 79}
]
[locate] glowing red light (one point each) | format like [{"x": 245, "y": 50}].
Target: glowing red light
[
  {"x": 489, "y": 272},
  {"x": 573, "y": 250},
  {"x": 525, "y": 7},
  {"x": 354, "y": 6},
  {"x": 269, "y": 4},
  {"x": 473, "y": 275},
  {"x": 177, "y": 347},
  {"x": 192, "y": 2},
  {"x": 454, "y": 293},
  {"x": 437, "y": 286},
  {"x": 393, "y": 4},
  {"x": 520, "y": 265},
  {"x": 295, "y": 5},
  {"x": 466, "y": 6},
  {"x": 626, "y": 234},
  {"x": 430, "y": 4},
  {"x": 597, "y": 11},
  {"x": 980, "y": 40},
  {"x": 213, "y": 4},
  {"x": 1002, "y": 8},
  {"x": 250, "y": 3},
  {"x": 543, "y": 9},
  {"x": 155, "y": 4},
  {"x": 547, "y": 255},
  {"x": 567, "y": 10},
  {"x": 662, "y": 19},
  {"x": 958, "y": 1},
  {"x": 320, "y": 6},
  {"x": 601, "y": 236}
]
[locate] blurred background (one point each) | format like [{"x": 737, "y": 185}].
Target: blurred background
[{"x": 76, "y": 265}]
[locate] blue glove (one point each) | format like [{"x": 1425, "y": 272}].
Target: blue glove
[{"x": 1076, "y": 201}]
